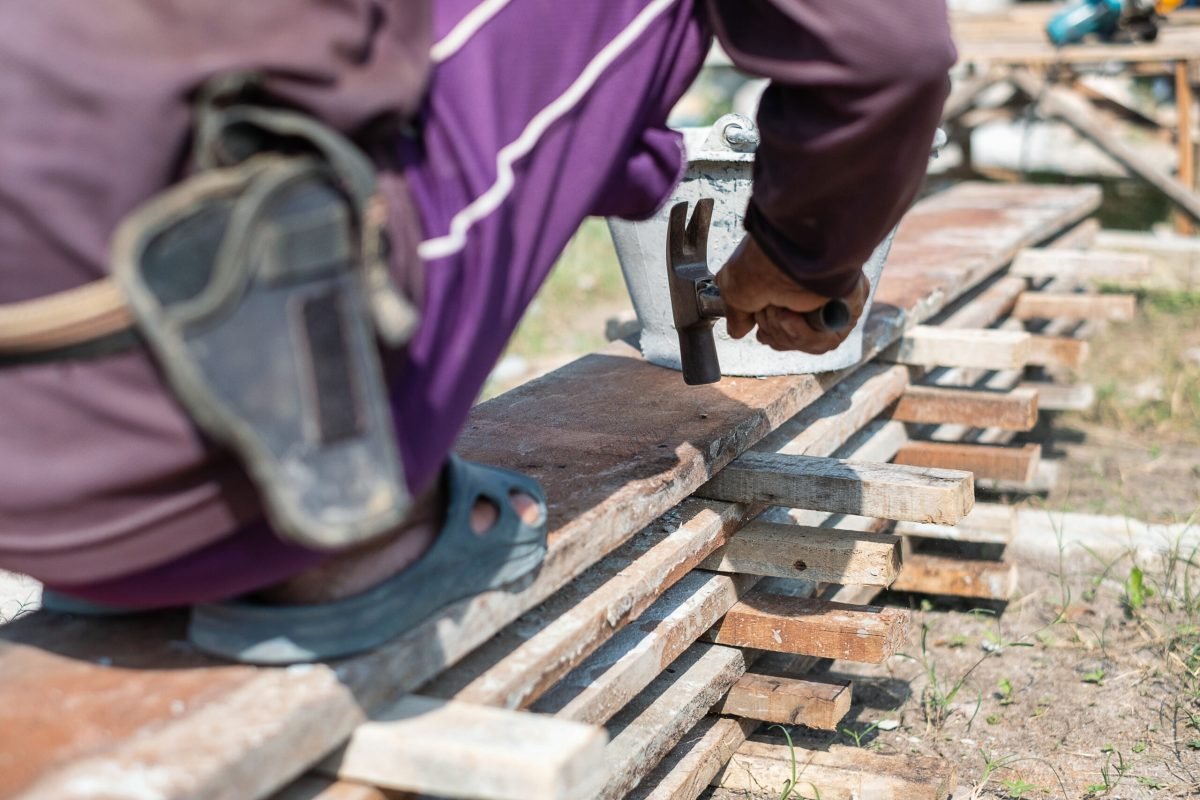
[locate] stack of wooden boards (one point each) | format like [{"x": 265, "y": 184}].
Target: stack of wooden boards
[{"x": 708, "y": 545}]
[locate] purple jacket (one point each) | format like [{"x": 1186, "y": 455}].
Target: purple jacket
[{"x": 101, "y": 474}]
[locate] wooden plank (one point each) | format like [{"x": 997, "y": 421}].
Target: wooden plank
[
  {"x": 826, "y": 424},
  {"x": 878, "y": 441},
  {"x": 840, "y": 773},
  {"x": 1058, "y": 351},
  {"x": 615, "y": 441},
  {"x": 985, "y": 461},
  {"x": 988, "y": 523},
  {"x": 1083, "y": 265},
  {"x": 631, "y": 660},
  {"x": 1015, "y": 410},
  {"x": 519, "y": 664},
  {"x": 1057, "y": 397},
  {"x": 1045, "y": 305},
  {"x": 695, "y": 761},
  {"x": 834, "y": 485},
  {"x": 1076, "y": 112},
  {"x": 979, "y": 580},
  {"x": 650, "y": 726},
  {"x": 932, "y": 346},
  {"x": 686, "y": 771},
  {"x": 1044, "y": 481},
  {"x": 456, "y": 749},
  {"x": 819, "y": 704},
  {"x": 823, "y": 555},
  {"x": 814, "y": 628},
  {"x": 982, "y": 307}
]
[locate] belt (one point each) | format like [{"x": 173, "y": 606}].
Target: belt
[{"x": 90, "y": 320}]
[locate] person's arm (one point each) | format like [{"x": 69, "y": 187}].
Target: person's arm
[{"x": 857, "y": 88}]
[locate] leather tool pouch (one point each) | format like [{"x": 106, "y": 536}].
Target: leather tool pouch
[{"x": 260, "y": 286}]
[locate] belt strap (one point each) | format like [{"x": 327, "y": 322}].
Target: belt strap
[{"x": 66, "y": 319}]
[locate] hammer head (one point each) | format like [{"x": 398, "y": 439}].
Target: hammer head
[{"x": 695, "y": 302}]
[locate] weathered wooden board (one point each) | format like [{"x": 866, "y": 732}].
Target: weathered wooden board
[
  {"x": 835, "y": 485},
  {"x": 1015, "y": 410},
  {"x": 823, "y": 555},
  {"x": 984, "y": 461},
  {"x": 985, "y": 348},
  {"x": 988, "y": 523},
  {"x": 1047, "y": 305},
  {"x": 613, "y": 675},
  {"x": 818, "y": 704},
  {"x": 981, "y": 580},
  {"x": 1085, "y": 265},
  {"x": 1058, "y": 351},
  {"x": 840, "y": 773},
  {"x": 615, "y": 441},
  {"x": 1057, "y": 397},
  {"x": 814, "y": 628},
  {"x": 650, "y": 726},
  {"x": 316, "y": 788},
  {"x": 453, "y": 749},
  {"x": 515, "y": 667},
  {"x": 702, "y": 753}
]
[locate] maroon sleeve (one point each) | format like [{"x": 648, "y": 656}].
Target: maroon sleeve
[{"x": 857, "y": 88}]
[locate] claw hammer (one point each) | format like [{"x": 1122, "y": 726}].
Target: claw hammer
[{"x": 696, "y": 302}]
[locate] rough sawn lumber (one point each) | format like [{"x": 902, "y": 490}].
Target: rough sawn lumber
[{"x": 615, "y": 441}]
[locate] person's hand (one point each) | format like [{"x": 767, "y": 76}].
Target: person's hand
[{"x": 756, "y": 292}]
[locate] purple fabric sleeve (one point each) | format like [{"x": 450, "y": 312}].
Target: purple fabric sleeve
[{"x": 856, "y": 91}]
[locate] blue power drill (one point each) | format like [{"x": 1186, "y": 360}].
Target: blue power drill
[{"x": 1107, "y": 19}]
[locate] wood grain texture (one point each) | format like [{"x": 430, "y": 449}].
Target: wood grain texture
[
  {"x": 823, "y": 555},
  {"x": 1085, "y": 265},
  {"x": 615, "y": 441},
  {"x": 1058, "y": 351},
  {"x": 805, "y": 626},
  {"x": 1059, "y": 397},
  {"x": 453, "y": 749},
  {"x": 840, "y": 773},
  {"x": 984, "y": 461},
  {"x": 650, "y": 726},
  {"x": 515, "y": 667},
  {"x": 981, "y": 580},
  {"x": 604, "y": 683},
  {"x": 988, "y": 523},
  {"x": 1014, "y": 410},
  {"x": 788, "y": 701},
  {"x": 834, "y": 485},
  {"x": 1047, "y": 305},
  {"x": 685, "y": 772},
  {"x": 985, "y": 348}
]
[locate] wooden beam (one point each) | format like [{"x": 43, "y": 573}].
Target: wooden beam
[
  {"x": 685, "y": 772},
  {"x": 819, "y": 704},
  {"x": 932, "y": 346},
  {"x": 1044, "y": 305},
  {"x": 814, "y": 628},
  {"x": 1076, "y": 112},
  {"x": 823, "y": 555},
  {"x": 1084, "y": 265},
  {"x": 833, "y": 485},
  {"x": 613, "y": 675},
  {"x": 984, "y": 461},
  {"x": 460, "y": 750},
  {"x": 1057, "y": 397},
  {"x": 311, "y": 787},
  {"x": 840, "y": 773},
  {"x": 518, "y": 665},
  {"x": 1058, "y": 351},
  {"x": 988, "y": 523},
  {"x": 615, "y": 441},
  {"x": 1015, "y": 410},
  {"x": 984, "y": 306},
  {"x": 657, "y": 719},
  {"x": 826, "y": 424},
  {"x": 957, "y": 577}
]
